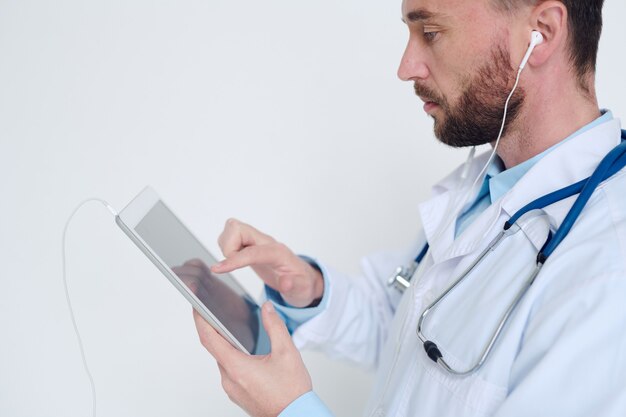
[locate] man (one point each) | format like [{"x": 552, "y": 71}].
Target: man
[{"x": 561, "y": 353}]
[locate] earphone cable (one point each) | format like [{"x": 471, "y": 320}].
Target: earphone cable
[
  {"x": 468, "y": 193},
  {"x": 69, "y": 302},
  {"x": 495, "y": 148}
]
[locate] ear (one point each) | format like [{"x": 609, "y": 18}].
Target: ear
[{"x": 551, "y": 20}]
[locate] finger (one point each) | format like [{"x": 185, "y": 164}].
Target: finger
[
  {"x": 280, "y": 339},
  {"x": 223, "y": 352},
  {"x": 252, "y": 255},
  {"x": 238, "y": 235}
]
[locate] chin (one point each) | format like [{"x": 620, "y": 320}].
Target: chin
[{"x": 437, "y": 127}]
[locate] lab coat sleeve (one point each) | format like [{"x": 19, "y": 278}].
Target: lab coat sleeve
[
  {"x": 294, "y": 316},
  {"x": 308, "y": 404},
  {"x": 354, "y": 323},
  {"x": 572, "y": 360}
]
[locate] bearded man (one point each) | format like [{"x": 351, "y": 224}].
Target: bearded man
[{"x": 510, "y": 333}]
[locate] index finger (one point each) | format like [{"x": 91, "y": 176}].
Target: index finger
[
  {"x": 268, "y": 254},
  {"x": 238, "y": 235}
]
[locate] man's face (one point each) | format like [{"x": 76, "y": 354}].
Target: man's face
[{"x": 458, "y": 59}]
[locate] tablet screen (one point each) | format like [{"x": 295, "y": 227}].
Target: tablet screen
[{"x": 190, "y": 261}]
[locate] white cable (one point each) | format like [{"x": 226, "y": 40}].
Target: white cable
[
  {"x": 67, "y": 295},
  {"x": 453, "y": 214},
  {"x": 495, "y": 148}
]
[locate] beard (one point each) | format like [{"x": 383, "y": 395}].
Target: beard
[{"x": 476, "y": 118}]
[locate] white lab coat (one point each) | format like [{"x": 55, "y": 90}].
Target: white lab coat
[{"x": 563, "y": 352}]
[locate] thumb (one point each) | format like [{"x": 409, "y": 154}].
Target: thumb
[{"x": 280, "y": 339}]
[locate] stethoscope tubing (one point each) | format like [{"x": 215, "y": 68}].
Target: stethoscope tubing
[
  {"x": 612, "y": 163},
  {"x": 603, "y": 172},
  {"x": 431, "y": 348}
]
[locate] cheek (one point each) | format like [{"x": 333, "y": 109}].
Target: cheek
[
  {"x": 450, "y": 85},
  {"x": 446, "y": 66},
  {"x": 457, "y": 77},
  {"x": 456, "y": 59}
]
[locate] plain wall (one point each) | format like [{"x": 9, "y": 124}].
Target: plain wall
[{"x": 285, "y": 114}]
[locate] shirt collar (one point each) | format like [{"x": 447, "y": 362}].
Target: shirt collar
[{"x": 501, "y": 181}]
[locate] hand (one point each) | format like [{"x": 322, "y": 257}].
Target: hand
[
  {"x": 298, "y": 282},
  {"x": 261, "y": 385}
]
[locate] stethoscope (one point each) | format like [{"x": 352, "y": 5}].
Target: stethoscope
[{"x": 612, "y": 163}]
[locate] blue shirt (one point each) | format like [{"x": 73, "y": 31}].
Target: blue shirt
[{"x": 497, "y": 182}]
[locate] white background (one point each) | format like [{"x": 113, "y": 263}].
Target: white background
[{"x": 285, "y": 114}]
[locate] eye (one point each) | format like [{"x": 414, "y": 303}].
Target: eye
[{"x": 430, "y": 36}]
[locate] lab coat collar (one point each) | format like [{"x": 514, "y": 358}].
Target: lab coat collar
[
  {"x": 435, "y": 211},
  {"x": 571, "y": 162}
]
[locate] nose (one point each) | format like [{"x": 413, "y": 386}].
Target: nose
[{"x": 413, "y": 63}]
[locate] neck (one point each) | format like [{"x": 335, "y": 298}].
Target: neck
[{"x": 545, "y": 120}]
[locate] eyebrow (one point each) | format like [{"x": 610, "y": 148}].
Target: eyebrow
[{"x": 419, "y": 15}]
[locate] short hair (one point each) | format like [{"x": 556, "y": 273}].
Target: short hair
[{"x": 585, "y": 24}]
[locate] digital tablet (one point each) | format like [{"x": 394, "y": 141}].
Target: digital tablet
[{"x": 185, "y": 262}]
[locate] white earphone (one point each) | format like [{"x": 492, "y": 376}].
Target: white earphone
[{"x": 536, "y": 38}]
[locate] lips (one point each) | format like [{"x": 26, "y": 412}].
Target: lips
[
  {"x": 429, "y": 104},
  {"x": 426, "y": 94}
]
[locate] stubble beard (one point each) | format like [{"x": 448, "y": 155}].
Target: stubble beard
[{"x": 476, "y": 118}]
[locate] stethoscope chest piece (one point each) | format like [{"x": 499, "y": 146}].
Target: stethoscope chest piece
[{"x": 401, "y": 278}]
